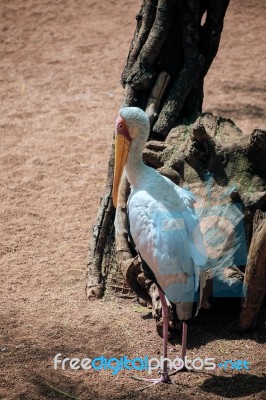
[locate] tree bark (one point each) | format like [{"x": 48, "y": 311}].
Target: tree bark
[
  {"x": 102, "y": 240},
  {"x": 255, "y": 276}
]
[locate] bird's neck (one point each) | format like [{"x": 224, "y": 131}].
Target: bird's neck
[{"x": 135, "y": 167}]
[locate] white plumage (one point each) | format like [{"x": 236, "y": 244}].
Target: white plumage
[
  {"x": 163, "y": 223},
  {"x": 165, "y": 230}
]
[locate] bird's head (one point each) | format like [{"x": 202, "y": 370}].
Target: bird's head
[{"x": 131, "y": 124}]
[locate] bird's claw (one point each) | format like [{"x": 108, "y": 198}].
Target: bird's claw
[{"x": 164, "y": 378}]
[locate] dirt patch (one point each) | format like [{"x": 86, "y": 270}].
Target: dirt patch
[{"x": 60, "y": 67}]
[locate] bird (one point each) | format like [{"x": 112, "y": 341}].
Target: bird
[{"x": 163, "y": 225}]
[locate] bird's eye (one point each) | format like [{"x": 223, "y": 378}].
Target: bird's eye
[{"x": 120, "y": 126}]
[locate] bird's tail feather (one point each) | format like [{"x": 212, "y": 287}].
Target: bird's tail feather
[{"x": 202, "y": 284}]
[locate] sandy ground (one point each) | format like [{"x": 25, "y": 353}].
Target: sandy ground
[{"x": 60, "y": 66}]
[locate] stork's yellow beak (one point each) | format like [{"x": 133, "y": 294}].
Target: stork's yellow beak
[{"x": 122, "y": 145}]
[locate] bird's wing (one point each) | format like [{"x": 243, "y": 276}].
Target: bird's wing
[
  {"x": 187, "y": 210},
  {"x": 164, "y": 227},
  {"x": 196, "y": 243},
  {"x": 161, "y": 238}
]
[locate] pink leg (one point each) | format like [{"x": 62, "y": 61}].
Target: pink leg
[
  {"x": 183, "y": 348},
  {"x": 165, "y": 333},
  {"x": 164, "y": 378},
  {"x": 184, "y": 341}
]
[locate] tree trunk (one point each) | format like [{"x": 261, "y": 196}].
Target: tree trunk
[
  {"x": 255, "y": 275},
  {"x": 172, "y": 50}
]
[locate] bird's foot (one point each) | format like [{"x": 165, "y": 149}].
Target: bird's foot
[{"x": 164, "y": 378}]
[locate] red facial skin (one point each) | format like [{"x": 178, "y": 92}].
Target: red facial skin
[{"x": 121, "y": 128}]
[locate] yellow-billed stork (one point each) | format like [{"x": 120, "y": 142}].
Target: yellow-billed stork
[{"x": 163, "y": 224}]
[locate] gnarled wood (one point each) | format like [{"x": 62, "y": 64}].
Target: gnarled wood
[
  {"x": 99, "y": 245},
  {"x": 255, "y": 276}
]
